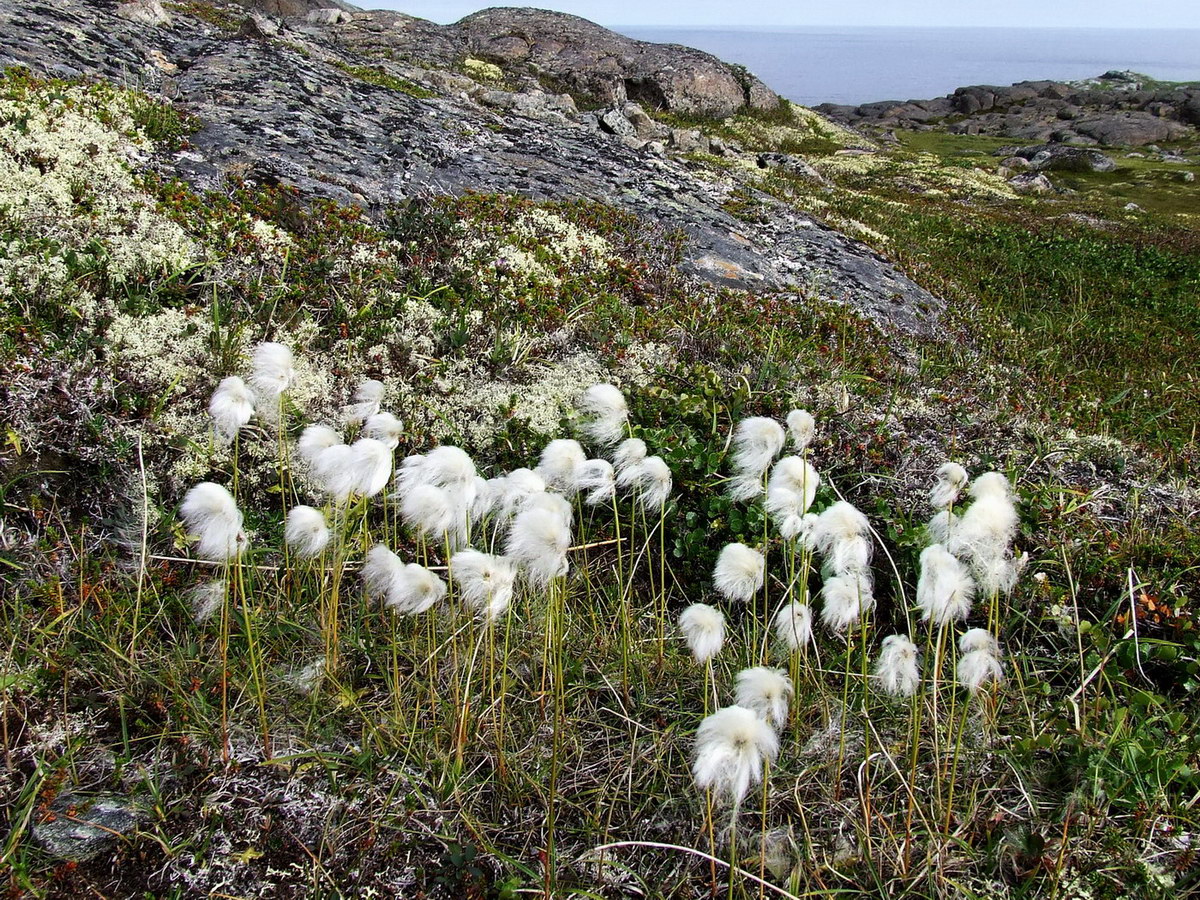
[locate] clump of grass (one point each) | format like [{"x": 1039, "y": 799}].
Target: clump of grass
[{"x": 378, "y": 77}]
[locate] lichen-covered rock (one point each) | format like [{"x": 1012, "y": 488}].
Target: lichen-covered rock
[{"x": 77, "y": 827}]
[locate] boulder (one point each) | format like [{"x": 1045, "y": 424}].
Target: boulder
[
  {"x": 1132, "y": 129},
  {"x": 144, "y": 12},
  {"x": 611, "y": 68},
  {"x": 793, "y": 165},
  {"x": 328, "y": 16},
  {"x": 614, "y": 122},
  {"x": 646, "y": 127},
  {"x": 1059, "y": 157},
  {"x": 1032, "y": 183},
  {"x": 77, "y": 827}
]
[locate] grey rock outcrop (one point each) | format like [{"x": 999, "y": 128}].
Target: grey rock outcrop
[
  {"x": 1043, "y": 111},
  {"x": 1056, "y": 158},
  {"x": 77, "y": 827},
  {"x": 289, "y": 110}
]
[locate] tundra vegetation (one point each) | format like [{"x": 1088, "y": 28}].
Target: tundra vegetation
[{"x": 474, "y": 550}]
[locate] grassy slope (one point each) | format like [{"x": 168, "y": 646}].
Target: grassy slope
[{"x": 109, "y": 684}]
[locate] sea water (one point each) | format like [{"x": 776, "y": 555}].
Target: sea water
[{"x": 855, "y": 65}]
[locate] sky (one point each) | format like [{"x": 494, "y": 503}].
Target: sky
[{"x": 782, "y": 14}]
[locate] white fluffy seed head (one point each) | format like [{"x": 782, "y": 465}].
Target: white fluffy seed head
[
  {"x": 385, "y": 428},
  {"x": 978, "y": 639},
  {"x": 945, "y": 590},
  {"x": 606, "y": 414},
  {"x": 654, "y": 483},
  {"x": 231, "y": 406},
  {"x": 896, "y": 669},
  {"x": 365, "y": 402},
  {"x": 801, "y": 428},
  {"x": 334, "y": 468},
  {"x": 273, "y": 371},
  {"x": 941, "y": 526},
  {"x": 380, "y": 571},
  {"x": 434, "y": 513},
  {"x": 796, "y": 475},
  {"x": 314, "y": 439},
  {"x": 213, "y": 519},
  {"x": 306, "y": 532},
  {"x": 845, "y": 598},
  {"x": 518, "y": 486},
  {"x": 767, "y": 691},
  {"x": 444, "y": 467},
  {"x": 991, "y": 484},
  {"x": 626, "y": 459},
  {"x": 793, "y": 626},
  {"x": 951, "y": 479},
  {"x": 371, "y": 466},
  {"x": 206, "y": 599},
  {"x": 596, "y": 478},
  {"x": 485, "y": 582},
  {"x": 756, "y": 442},
  {"x": 739, "y": 572},
  {"x": 978, "y": 668},
  {"x": 560, "y": 461},
  {"x": 731, "y": 745},
  {"x": 786, "y": 509},
  {"x": 414, "y": 590},
  {"x": 703, "y": 627},
  {"x": 539, "y": 541},
  {"x": 843, "y": 537}
]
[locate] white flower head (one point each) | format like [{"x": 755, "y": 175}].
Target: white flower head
[
  {"x": 539, "y": 541},
  {"x": 485, "y": 582},
  {"x": 654, "y": 483},
  {"x": 596, "y": 478},
  {"x": 435, "y": 513},
  {"x": 306, "y": 532},
  {"x": 627, "y": 459},
  {"x": 231, "y": 407},
  {"x": 445, "y": 467},
  {"x": 795, "y": 474},
  {"x": 606, "y": 414},
  {"x": 314, "y": 439},
  {"x": 703, "y": 627},
  {"x": 843, "y": 538},
  {"x": 801, "y": 429},
  {"x": 517, "y": 487},
  {"x": 560, "y": 461},
  {"x": 739, "y": 572},
  {"x": 380, "y": 570},
  {"x": 731, "y": 746},
  {"x": 978, "y": 668},
  {"x": 845, "y": 599},
  {"x": 945, "y": 590},
  {"x": 212, "y": 517},
  {"x": 991, "y": 484},
  {"x": 370, "y": 466},
  {"x": 896, "y": 669},
  {"x": 756, "y": 442},
  {"x": 385, "y": 428},
  {"x": 978, "y": 639},
  {"x": 414, "y": 590},
  {"x": 793, "y": 626},
  {"x": 951, "y": 479},
  {"x": 365, "y": 402},
  {"x": 206, "y": 598},
  {"x": 273, "y": 370},
  {"x": 767, "y": 691},
  {"x": 334, "y": 468}
]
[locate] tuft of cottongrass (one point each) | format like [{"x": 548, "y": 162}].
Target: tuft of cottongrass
[
  {"x": 607, "y": 414},
  {"x": 231, "y": 406},
  {"x": 307, "y": 678},
  {"x": 793, "y": 626},
  {"x": 334, "y": 468},
  {"x": 845, "y": 598},
  {"x": 273, "y": 370},
  {"x": 206, "y": 598},
  {"x": 654, "y": 483},
  {"x": 842, "y": 537},
  {"x": 984, "y": 533},
  {"x": 767, "y": 692},
  {"x": 385, "y": 428},
  {"x": 380, "y": 570},
  {"x": 370, "y": 467},
  {"x": 979, "y": 664},
  {"x": 212, "y": 517},
  {"x": 941, "y": 525},
  {"x": 801, "y": 429},
  {"x": 627, "y": 461},
  {"x": 445, "y": 467},
  {"x": 414, "y": 590},
  {"x": 489, "y": 493},
  {"x": 556, "y": 504},
  {"x": 797, "y": 475},
  {"x": 314, "y": 440},
  {"x": 434, "y": 513},
  {"x": 896, "y": 669},
  {"x": 756, "y": 442},
  {"x": 739, "y": 572},
  {"x": 951, "y": 479},
  {"x": 365, "y": 402},
  {"x": 485, "y": 582},
  {"x": 945, "y": 590},
  {"x": 539, "y": 541},
  {"x": 787, "y": 510},
  {"x": 596, "y": 478},
  {"x": 517, "y": 487},
  {"x": 306, "y": 533},
  {"x": 703, "y": 627},
  {"x": 731, "y": 747},
  {"x": 559, "y": 464}
]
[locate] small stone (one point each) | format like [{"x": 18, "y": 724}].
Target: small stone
[
  {"x": 1032, "y": 183},
  {"x": 1189, "y": 177},
  {"x": 329, "y": 17}
]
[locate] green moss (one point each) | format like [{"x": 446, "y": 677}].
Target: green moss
[{"x": 380, "y": 78}]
